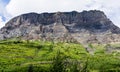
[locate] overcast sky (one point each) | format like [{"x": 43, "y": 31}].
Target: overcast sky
[{"x": 12, "y": 8}]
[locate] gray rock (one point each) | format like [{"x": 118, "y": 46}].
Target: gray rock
[{"x": 85, "y": 27}]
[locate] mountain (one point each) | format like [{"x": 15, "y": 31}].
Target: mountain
[{"x": 85, "y": 27}]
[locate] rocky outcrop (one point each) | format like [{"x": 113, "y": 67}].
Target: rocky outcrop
[{"x": 85, "y": 27}]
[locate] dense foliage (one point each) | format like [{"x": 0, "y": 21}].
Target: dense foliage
[{"x": 39, "y": 56}]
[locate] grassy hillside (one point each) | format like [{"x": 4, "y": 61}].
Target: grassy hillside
[{"x": 39, "y": 56}]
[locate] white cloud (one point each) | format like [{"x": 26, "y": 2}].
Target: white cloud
[
  {"x": 3, "y": 13},
  {"x": 16, "y": 7},
  {"x": 110, "y": 7},
  {"x": 2, "y": 23}
]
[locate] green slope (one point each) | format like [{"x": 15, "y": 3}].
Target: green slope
[{"x": 38, "y": 56}]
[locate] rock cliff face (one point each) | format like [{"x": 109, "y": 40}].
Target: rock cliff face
[{"x": 85, "y": 27}]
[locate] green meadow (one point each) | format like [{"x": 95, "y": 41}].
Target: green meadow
[{"x": 46, "y": 56}]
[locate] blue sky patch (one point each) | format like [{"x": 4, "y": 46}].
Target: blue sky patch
[
  {"x": 3, "y": 4},
  {"x": 5, "y": 1}
]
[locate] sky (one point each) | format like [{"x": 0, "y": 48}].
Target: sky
[{"x": 12, "y": 8}]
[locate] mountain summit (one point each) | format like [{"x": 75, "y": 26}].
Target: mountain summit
[{"x": 85, "y": 27}]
